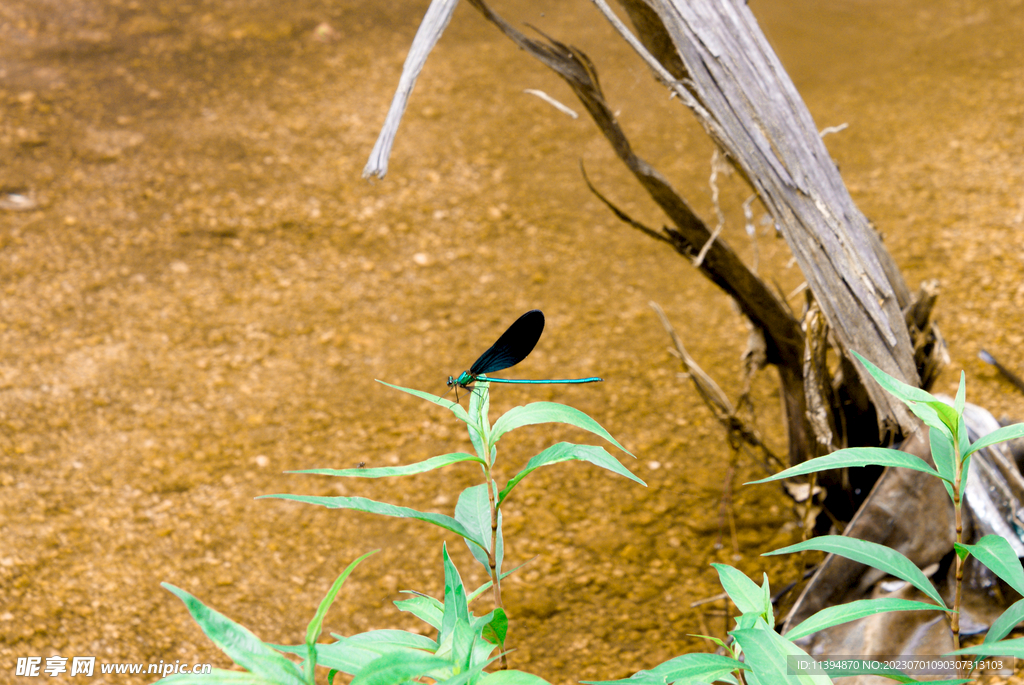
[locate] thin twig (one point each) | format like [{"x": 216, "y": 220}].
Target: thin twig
[
  {"x": 439, "y": 13},
  {"x": 708, "y": 600},
  {"x": 564, "y": 109},
  {"x": 1007, "y": 373},
  {"x": 726, "y": 514},
  {"x": 833, "y": 129},
  {"x": 713, "y": 182},
  {"x": 738, "y": 431},
  {"x": 721, "y": 264},
  {"x": 621, "y": 215},
  {"x": 748, "y": 226}
]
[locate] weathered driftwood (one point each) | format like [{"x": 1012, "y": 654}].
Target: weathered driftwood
[
  {"x": 689, "y": 235},
  {"x": 713, "y": 56},
  {"x": 747, "y": 103},
  {"x": 433, "y": 25}
]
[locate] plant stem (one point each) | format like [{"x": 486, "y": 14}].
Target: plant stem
[
  {"x": 957, "y": 508},
  {"x": 492, "y": 556},
  {"x": 488, "y": 454}
]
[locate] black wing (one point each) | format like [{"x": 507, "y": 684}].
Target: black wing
[{"x": 513, "y": 346}]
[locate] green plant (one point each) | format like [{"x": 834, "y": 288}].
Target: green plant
[
  {"x": 478, "y": 510},
  {"x": 756, "y": 653},
  {"x": 464, "y": 643},
  {"x": 769, "y": 657},
  {"x": 264, "y": 665},
  {"x": 463, "y": 648},
  {"x": 951, "y": 451}
]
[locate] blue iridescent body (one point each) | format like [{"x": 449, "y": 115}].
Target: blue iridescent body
[{"x": 514, "y": 345}]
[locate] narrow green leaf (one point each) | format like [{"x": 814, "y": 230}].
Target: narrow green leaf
[
  {"x": 567, "y": 451},
  {"x": 854, "y": 456},
  {"x": 482, "y": 650},
  {"x": 473, "y": 511},
  {"x": 767, "y": 665},
  {"x": 1006, "y": 622},
  {"x": 750, "y": 620},
  {"x": 945, "y": 461},
  {"x": 997, "y": 554},
  {"x": 497, "y": 627},
  {"x": 427, "y": 609},
  {"x": 947, "y": 414},
  {"x": 872, "y": 554},
  {"x": 714, "y": 640},
  {"x": 511, "y": 677},
  {"x": 454, "y": 407},
  {"x": 549, "y": 412},
  {"x": 688, "y": 668},
  {"x": 768, "y": 611},
  {"x": 462, "y": 642},
  {"x": 487, "y": 586},
  {"x": 407, "y": 470},
  {"x": 1000, "y": 435},
  {"x": 346, "y": 658},
  {"x": 456, "y": 604},
  {"x": 766, "y": 653},
  {"x": 396, "y": 667},
  {"x": 639, "y": 678},
  {"x": 965, "y": 440},
  {"x": 480, "y": 398},
  {"x": 313, "y": 630},
  {"x": 744, "y": 593},
  {"x": 929, "y": 417},
  {"x": 239, "y": 643},
  {"x": 1014, "y": 648},
  {"x": 387, "y": 639},
  {"x": 350, "y": 655},
  {"x": 895, "y": 387},
  {"x": 961, "y": 395},
  {"x": 917, "y": 400},
  {"x": 851, "y": 611},
  {"x": 769, "y": 650},
  {"x": 374, "y": 507}
]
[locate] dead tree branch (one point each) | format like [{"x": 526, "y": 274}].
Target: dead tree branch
[
  {"x": 733, "y": 81},
  {"x": 689, "y": 233}
]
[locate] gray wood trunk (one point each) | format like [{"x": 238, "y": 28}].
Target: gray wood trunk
[{"x": 716, "y": 53}]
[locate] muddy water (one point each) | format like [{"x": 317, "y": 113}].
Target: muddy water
[{"x": 199, "y": 291}]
